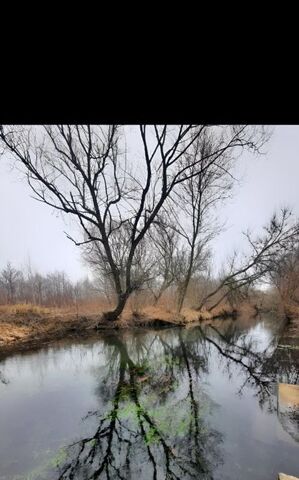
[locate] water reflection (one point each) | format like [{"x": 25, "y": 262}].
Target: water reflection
[
  {"x": 146, "y": 430},
  {"x": 156, "y": 423},
  {"x": 3, "y": 379},
  {"x": 162, "y": 404}
]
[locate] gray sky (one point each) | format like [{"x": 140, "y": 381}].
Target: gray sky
[
  {"x": 268, "y": 182},
  {"x": 32, "y": 230}
]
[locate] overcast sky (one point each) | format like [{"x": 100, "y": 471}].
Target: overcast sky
[{"x": 31, "y": 230}]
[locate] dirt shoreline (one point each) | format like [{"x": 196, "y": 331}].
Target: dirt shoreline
[
  {"x": 20, "y": 333},
  {"x": 30, "y": 330}
]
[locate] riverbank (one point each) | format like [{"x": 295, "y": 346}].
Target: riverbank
[
  {"x": 28, "y": 327},
  {"x": 25, "y": 328}
]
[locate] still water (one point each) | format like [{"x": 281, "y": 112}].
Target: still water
[{"x": 196, "y": 403}]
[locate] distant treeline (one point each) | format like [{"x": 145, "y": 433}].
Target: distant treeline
[
  {"x": 54, "y": 289},
  {"x": 204, "y": 290}
]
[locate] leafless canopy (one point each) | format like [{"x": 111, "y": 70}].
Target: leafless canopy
[
  {"x": 89, "y": 173},
  {"x": 280, "y": 235}
]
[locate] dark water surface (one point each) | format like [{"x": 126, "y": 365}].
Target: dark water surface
[{"x": 196, "y": 403}]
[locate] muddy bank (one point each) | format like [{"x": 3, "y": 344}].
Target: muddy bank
[
  {"x": 29, "y": 330},
  {"x": 23, "y": 332}
]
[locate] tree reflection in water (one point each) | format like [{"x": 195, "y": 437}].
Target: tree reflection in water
[
  {"x": 263, "y": 371},
  {"x": 145, "y": 432},
  {"x": 156, "y": 423},
  {"x": 3, "y": 379}
]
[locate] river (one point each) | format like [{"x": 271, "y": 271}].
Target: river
[{"x": 172, "y": 403}]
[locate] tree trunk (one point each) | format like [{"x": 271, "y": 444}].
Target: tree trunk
[
  {"x": 113, "y": 315},
  {"x": 158, "y": 296},
  {"x": 184, "y": 286},
  {"x": 181, "y": 297}
]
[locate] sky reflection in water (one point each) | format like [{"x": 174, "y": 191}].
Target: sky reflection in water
[{"x": 178, "y": 404}]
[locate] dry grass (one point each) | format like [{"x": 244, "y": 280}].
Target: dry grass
[
  {"x": 288, "y": 394},
  {"x": 83, "y": 308},
  {"x": 23, "y": 332},
  {"x": 24, "y": 309},
  {"x": 9, "y": 333},
  {"x": 159, "y": 312},
  {"x": 190, "y": 315},
  {"x": 27, "y": 324},
  {"x": 148, "y": 315},
  {"x": 96, "y": 306},
  {"x": 292, "y": 310}
]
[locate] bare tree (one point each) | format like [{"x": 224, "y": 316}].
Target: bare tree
[
  {"x": 58, "y": 289},
  {"x": 280, "y": 235},
  {"x": 164, "y": 243},
  {"x": 209, "y": 185},
  {"x": 9, "y": 279},
  {"x": 284, "y": 275},
  {"x": 54, "y": 289},
  {"x": 141, "y": 268},
  {"x": 38, "y": 284},
  {"x": 84, "y": 171}
]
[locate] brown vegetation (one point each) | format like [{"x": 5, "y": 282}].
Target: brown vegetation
[
  {"x": 27, "y": 324},
  {"x": 24, "y": 326}
]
